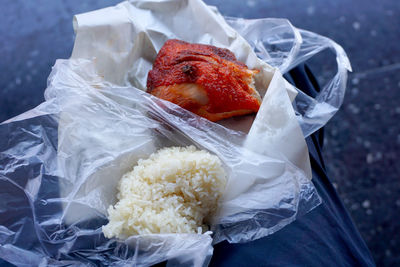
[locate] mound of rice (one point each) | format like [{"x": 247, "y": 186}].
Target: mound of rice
[{"x": 175, "y": 190}]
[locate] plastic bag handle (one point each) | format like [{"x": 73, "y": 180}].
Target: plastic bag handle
[
  {"x": 280, "y": 44},
  {"x": 314, "y": 113}
]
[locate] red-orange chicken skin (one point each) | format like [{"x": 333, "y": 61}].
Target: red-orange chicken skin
[{"x": 204, "y": 79}]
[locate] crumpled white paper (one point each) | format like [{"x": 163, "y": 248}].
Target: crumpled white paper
[{"x": 123, "y": 41}]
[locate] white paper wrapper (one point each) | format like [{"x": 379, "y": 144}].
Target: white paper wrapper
[
  {"x": 62, "y": 160},
  {"x": 123, "y": 42}
]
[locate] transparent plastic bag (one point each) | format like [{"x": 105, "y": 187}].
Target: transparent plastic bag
[
  {"x": 60, "y": 162},
  {"x": 280, "y": 44}
]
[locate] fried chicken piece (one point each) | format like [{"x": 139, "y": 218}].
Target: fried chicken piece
[{"x": 204, "y": 79}]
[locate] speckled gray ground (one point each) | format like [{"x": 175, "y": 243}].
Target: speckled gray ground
[{"x": 362, "y": 141}]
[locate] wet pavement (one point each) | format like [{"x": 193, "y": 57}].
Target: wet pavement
[{"x": 362, "y": 143}]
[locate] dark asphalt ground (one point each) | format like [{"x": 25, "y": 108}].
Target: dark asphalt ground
[{"x": 362, "y": 141}]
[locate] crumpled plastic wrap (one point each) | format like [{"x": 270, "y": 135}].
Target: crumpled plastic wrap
[
  {"x": 60, "y": 162},
  {"x": 280, "y": 44}
]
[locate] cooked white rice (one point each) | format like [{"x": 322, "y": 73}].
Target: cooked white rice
[{"x": 175, "y": 190}]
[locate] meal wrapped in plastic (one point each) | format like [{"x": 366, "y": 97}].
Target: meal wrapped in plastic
[{"x": 60, "y": 163}]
